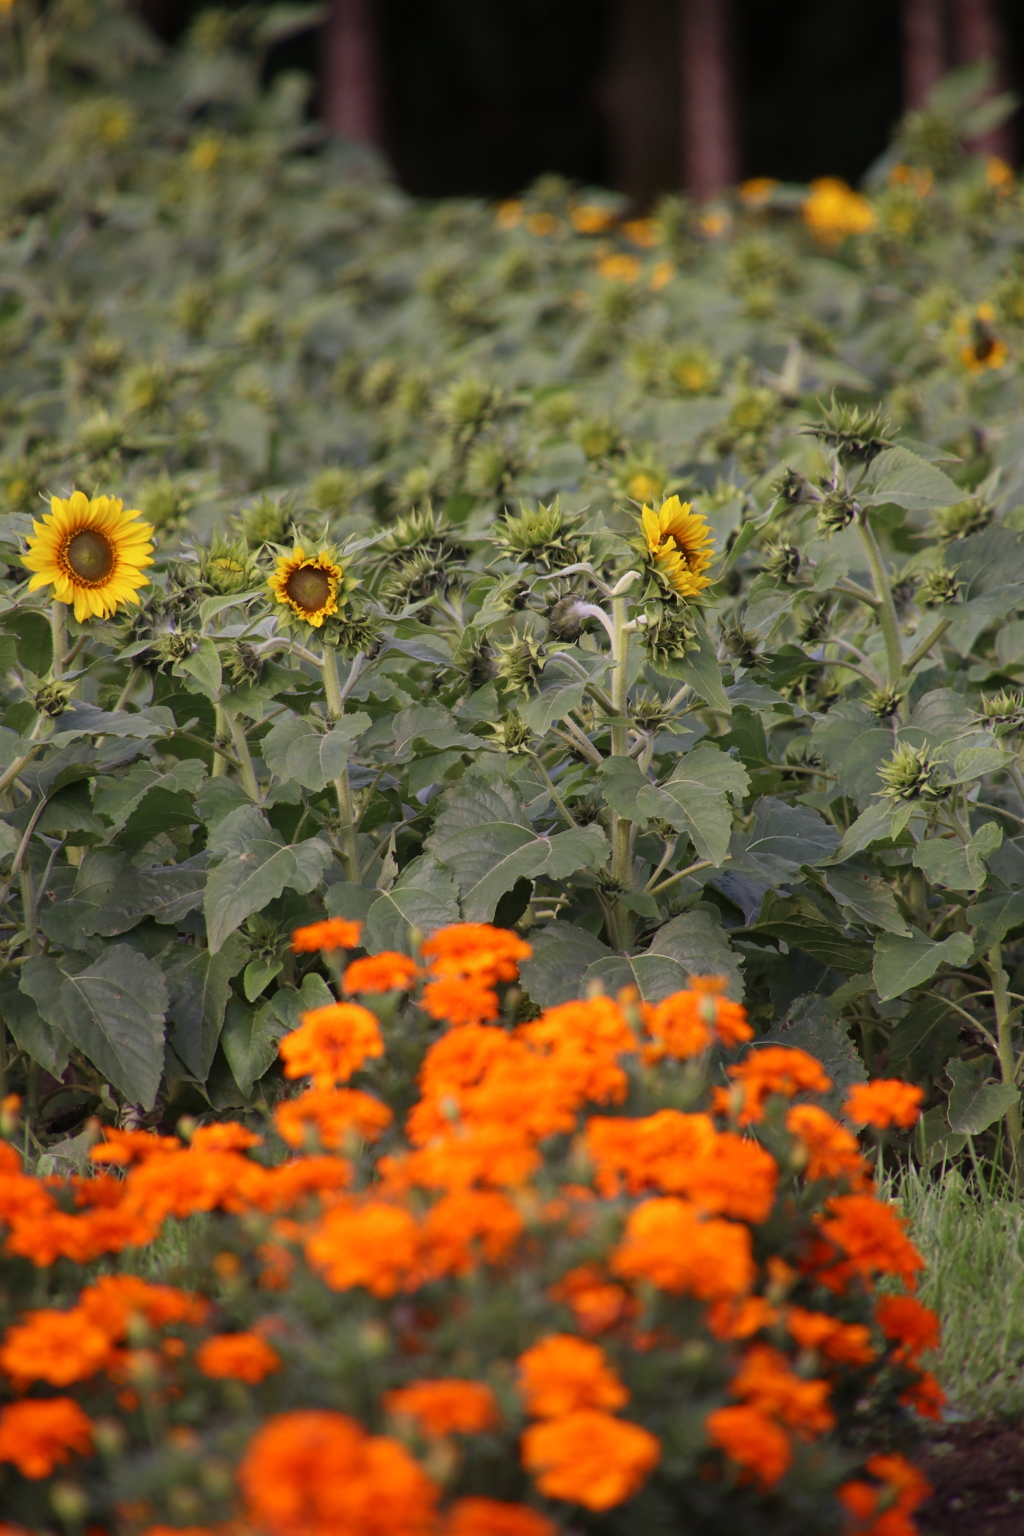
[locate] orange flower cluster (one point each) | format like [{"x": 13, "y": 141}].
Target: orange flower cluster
[
  {"x": 333, "y": 933},
  {"x": 774, "y": 1399},
  {"x": 775, "y": 1069},
  {"x": 722, "y": 1173},
  {"x": 884, "y": 1102},
  {"x": 466, "y": 962},
  {"x": 332, "y": 1116},
  {"x": 685, "y": 1024},
  {"x": 237, "y": 1357},
  {"x": 668, "y": 1243},
  {"x": 441, "y": 1408},
  {"x": 832, "y": 1151},
  {"x": 331, "y": 1043},
  {"x": 562, "y": 1374},
  {"x": 885, "y": 1510},
  {"x": 388, "y": 971},
  {"x": 874, "y": 1240},
  {"x": 40, "y": 1434}
]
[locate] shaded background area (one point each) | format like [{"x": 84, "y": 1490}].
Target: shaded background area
[{"x": 481, "y": 96}]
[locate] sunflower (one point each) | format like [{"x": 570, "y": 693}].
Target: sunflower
[
  {"x": 308, "y": 585},
  {"x": 679, "y": 546},
  {"x": 91, "y": 552}
]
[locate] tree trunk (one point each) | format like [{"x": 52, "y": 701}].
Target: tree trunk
[
  {"x": 351, "y": 78},
  {"x": 639, "y": 95},
  {"x": 924, "y": 48},
  {"x": 709, "y": 134},
  {"x": 978, "y": 35}
]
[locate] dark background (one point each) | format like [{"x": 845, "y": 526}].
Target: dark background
[{"x": 481, "y": 96}]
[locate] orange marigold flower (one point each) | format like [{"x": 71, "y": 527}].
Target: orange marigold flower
[
  {"x": 583, "y": 1041},
  {"x": 776, "y": 1069},
  {"x": 492, "y": 1517},
  {"x": 445, "y": 1407},
  {"x": 476, "y": 949},
  {"x": 885, "y": 1101},
  {"x": 845, "y": 1343},
  {"x": 753, "y": 1441},
  {"x": 40, "y": 1434},
  {"x": 684, "y": 1154},
  {"x": 914, "y": 1328},
  {"x": 833, "y": 1152},
  {"x": 333, "y": 1114},
  {"x": 227, "y": 1136},
  {"x": 491, "y": 1153},
  {"x": 766, "y": 1381},
  {"x": 873, "y": 1238},
  {"x": 926, "y": 1397},
  {"x": 740, "y": 1318},
  {"x": 56, "y": 1347},
  {"x": 173, "y": 1530},
  {"x": 284, "y": 1187},
  {"x": 237, "y": 1357},
  {"x": 561, "y": 1374},
  {"x": 112, "y": 1301},
  {"x": 589, "y": 1458},
  {"x": 458, "y": 1001},
  {"x": 124, "y": 1147},
  {"x": 468, "y": 1225},
  {"x": 597, "y": 1303},
  {"x": 331, "y": 1043},
  {"x": 315, "y": 1473},
  {"x": 387, "y": 972},
  {"x": 375, "y": 1245},
  {"x": 885, "y": 1511},
  {"x": 333, "y": 933},
  {"x": 667, "y": 1243},
  {"x": 683, "y": 1023}
]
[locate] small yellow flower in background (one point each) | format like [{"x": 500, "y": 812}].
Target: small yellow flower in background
[
  {"x": 757, "y": 191},
  {"x": 680, "y": 545},
  {"x": 509, "y": 213},
  {"x": 206, "y": 153},
  {"x": 91, "y": 552},
  {"x": 643, "y": 486},
  {"x": 919, "y": 181},
  {"x": 715, "y": 223},
  {"x": 620, "y": 268},
  {"x": 983, "y": 349},
  {"x": 591, "y": 218},
  {"x": 999, "y": 174},
  {"x": 541, "y": 223},
  {"x": 833, "y": 211},
  {"x": 662, "y": 274},
  {"x": 308, "y": 585},
  {"x": 642, "y": 232},
  {"x": 115, "y": 122},
  {"x": 6, "y": 5}
]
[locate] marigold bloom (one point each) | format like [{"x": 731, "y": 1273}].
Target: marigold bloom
[
  {"x": 720, "y": 1172},
  {"x": 56, "y": 1347},
  {"x": 589, "y": 1458},
  {"x": 387, "y": 972},
  {"x": 458, "y": 1001},
  {"x": 40, "y": 1434},
  {"x": 619, "y": 268},
  {"x": 476, "y": 949},
  {"x": 667, "y": 1243},
  {"x": 226, "y": 1136},
  {"x": 597, "y": 1303},
  {"x": 468, "y": 1225},
  {"x": 375, "y": 1245},
  {"x": 125, "y": 1147},
  {"x": 315, "y": 1473},
  {"x": 680, "y": 545},
  {"x": 885, "y": 1101},
  {"x": 766, "y": 1381},
  {"x": 914, "y": 1328},
  {"x": 885, "y": 1511},
  {"x": 833, "y": 1152},
  {"x": 776, "y": 1069},
  {"x": 331, "y": 1043},
  {"x": 844, "y": 1343},
  {"x": 753, "y": 1441},
  {"x": 334, "y": 1114},
  {"x": 683, "y": 1023},
  {"x": 926, "y": 1397},
  {"x": 111, "y": 1302},
  {"x": 561, "y": 1374},
  {"x": 331, "y": 933},
  {"x": 445, "y": 1407},
  {"x": 756, "y": 191},
  {"x": 740, "y": 1318},
  {"x": 503, "y": 1156},
  {"x": 491, "y": 1517},
  {"x": 237, "y": 1357},
  {"x": 873, "y": 1238}
]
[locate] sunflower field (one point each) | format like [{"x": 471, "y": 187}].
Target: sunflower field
[{"x": 595, "y": 643}]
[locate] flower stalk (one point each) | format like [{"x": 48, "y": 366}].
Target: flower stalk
[
  {"x": 886, "y": 607},
  {"x": 335, "y": 701}
]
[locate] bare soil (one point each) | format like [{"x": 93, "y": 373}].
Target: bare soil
[{"x": 977, "y": 1472}]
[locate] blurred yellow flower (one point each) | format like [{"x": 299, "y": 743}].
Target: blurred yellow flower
[
  {"x": 509, "y": 213},
  {"x": 999, "y": 174},
  {"x": 919, "y": 181},
  {"x": 619, "y": 268},
  {"x": 206, "y": 152},
  {"x": 643, "y": 486},
  {"x": 833, "y": 211},
  {"x": 642, "y": 232},
  {"x": 757, "y": 191},
  {"x": 591, "y": 218},
  {"x": 714, "y": 223},
  {"x": 982, "y": 349},
  {"x": 541, "y": 223},
  {"x": 679, "y": 543},
  {"x": 662, "y": 273}
]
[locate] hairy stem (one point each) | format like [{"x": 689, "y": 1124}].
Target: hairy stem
[
  {"x": 59, "y": 630},
  {"x": 886, "y": 606},
  {"x": 246, "y": 771},
  {"x": 335, "y": 701},
  {"x": 622, "y": 827}
]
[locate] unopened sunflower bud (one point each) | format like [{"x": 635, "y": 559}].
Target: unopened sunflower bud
[
  {"x": 520, "y": 663},
  {"x": 835, "y": 513},
  {"x": 52, "y": 698},
  {"x": 963, "y": 518},
  {"x": 910, "y": 775},
  {"x": 782, "y": 561},
  {"x": 884, "y": 702},
  {"x": 937, "y": 588},
  {"x": 564, "y": 619},
  {"x": 1002, "y": 712},
  {"x": 793, "y": 488}
]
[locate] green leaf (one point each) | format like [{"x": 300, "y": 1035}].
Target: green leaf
[
  {"x": 561, "y": 691},
  {"x": 995, "y": 917},
  {"x": 654, "y": 976},
  {"x": 431, "y": 726},
  {"x": 257, "y": 976},
  {"x": 782, "y": 838},
  {"x": 700, "y": 668},
  {"x": 900, "y": 478},
  {"x": 946, "y": 861},
  {"x": 865, "y": 897},
  {"x": 254, "y": 869},
  {"x": 562, "y": 954},
  {"x": 795, "y": 920},
  {"x": 249, "y": 1041},
  {"x": 975, "y": 1105},
  {"x": 32, "y": 631},
  {"x": 901, "y": 963},
  {"x": 111, "y": 896},
  {"x": 622, "y": 781},
  {"x": 854, "y": 747},
  {"x": 288, "y": 1004},
  {"x": 697, "y": 941},
  {"x": 161, "y": 811},
  {"x": 424, "y": 896},
  {"x": 200, "y": 984},
  {"x": 696, "y": 800},
  {"x": 813, "y": 1025},
  {"x": 203, "y": 666},
  {"x": 873, "y": 825},
  {"x": 117, "y": 798},
  {"x": 924, "y": 1038},
  {"x": 295, "y": 749},
  {"x": 27, "y": 1024},
  {"x": 114, "y": 1012}
]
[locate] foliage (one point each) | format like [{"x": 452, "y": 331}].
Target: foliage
[
  {"x": 442, "y": 422},
  {"x": 583, "y": 1279}
]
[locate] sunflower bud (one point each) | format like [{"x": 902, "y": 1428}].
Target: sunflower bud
[
  {"x": 520, "y": 663},
  {"x": 855, "y": 436},
  {"x": 668, "y": 634},
  {"x": 1002, "y": 712},
  {"x": 52, "y": 698},
  {"x": 782, "y": 560},
  {"x": 226, "y": 569},
  {"x": 512, "y": 734},
  {"x": 245, "y": 666},
  {"x": 937, "y": 588},
  {"x": 740, "y": 644},
  {"x": 963, "y": 518},
  {"x": 564, "y": 619},
  {"x": 884, "y": 702},
  {"x": 793, "y": 488},
  {"x": 835, "y": 513},
  {"x": 547, "y": 536},
  {"x": 910, "y": 775}
]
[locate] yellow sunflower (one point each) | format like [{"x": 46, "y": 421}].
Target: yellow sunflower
[
  {"x": 679, "y": 544},
  {"x": 308, "y": 585},
  {"x": 91, "y": 552}
]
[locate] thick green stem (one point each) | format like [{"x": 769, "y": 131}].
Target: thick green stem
[
  {"x": 246, "y": 770},
  {"x": 622, "y": 827},
  {"x": 126, "y": 691},
  {"x": 886, "y": 606},
  {"x": 59, "y": 630},
  {"x": 342, "y": 787},
  {"x": 921, "y": 651},
  {"x": 221, "y": 763},
  {"x": 1007, "y": 1062}
]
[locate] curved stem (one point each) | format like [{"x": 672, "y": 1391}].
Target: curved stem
[
  {"x": 59, "y": 631},
  {"x": 886, "y": 607},
  {"x": 1007, "y": 1064},
  {"x": 126, "y": 691},
  {"x": 335, "y": 701},
  {"x": 247, "y": 772},
  {"x": 681, "y": 874},
  {"x": 921, "y": 651}
]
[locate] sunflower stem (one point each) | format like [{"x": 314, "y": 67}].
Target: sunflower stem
[
  {"x": 886, "y": 607},
  {"x": 335, "y": 701},
  {"x": 621, "y": 919},
  {"x": 221, "y": 761},
  {"x": 126, "y": 691},
  {"x": 246, "y": 770},
  {"x": 59, "y": 630},
  {"x": 1007, "y": 1063}
]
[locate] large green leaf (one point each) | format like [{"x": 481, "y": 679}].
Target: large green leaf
[
  {"x": 200, "y": 984},
  {"x": 854, "y": 747},
  {"x": 904, "y": 963},
  {"x": 254, "y": 868},
  {"x": 900, "y": 478},
  {"x": 249, "y": 1041},
  {"x": 864, "y": 896},
  {"x": 697, "y": 799},
  {"x": 995, "y": 917},
  {"x": 797, "y": 921},
  {"x": 110, "y": 896},
  {"x": 117, "y": 798},
  {"x": 700, "y": 668},
  {"x": 783, "y": 837},
  {"x": 295, "y": 749},
  {"x": 974, "y": 1105},
  {"x": 654, "y": 976},
  {"x": 924, "y": 1038},
  {"x": 562, "y": 953},
  {"x": 424, "y": 896},
  {"x": 960, "y": 866},
  {"x": 28, "y": 1026},
  {"x": 697, "y": 941}
]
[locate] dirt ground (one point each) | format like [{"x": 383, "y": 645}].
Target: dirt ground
[{"x": 977, "y": 1471}]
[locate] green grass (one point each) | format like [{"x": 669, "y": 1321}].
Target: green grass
[{"x": 973, "y": 1245}]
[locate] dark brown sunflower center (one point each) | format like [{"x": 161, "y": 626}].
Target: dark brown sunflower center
[
  {"x": 90, "y": 555},
  {"x": 984, "y": 348},
  {"x": 309, "y": 588}
]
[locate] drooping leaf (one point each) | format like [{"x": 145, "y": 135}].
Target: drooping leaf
[
  {"x": 199, "y": 991},
  {"x": 654, "y": 976},
  {"x": 295, "y": 749},
  {"x": 562, "y": 953},
  {"x": 424, "y": 896},
  {"x": 782, "y": 838},
  {"x": 960, "y": 866},
  {"x": 115, "y": 1012},
  {"x": 900, "y": 478},
  {"x": 904, "y": 963},
  {"x": 866, "y": 897},
  {"x": 249, "y": 1041},
  {"x": 697, "y": 941},
  {"x": 28, "y": 1024},
  {"x": 802, "y": 926},
  {"x": 254, "y": 868},
  {"x": 974, "y": 1105},
  {"x": 995, "y": 917},
  {"x": 696, "y": 799}
]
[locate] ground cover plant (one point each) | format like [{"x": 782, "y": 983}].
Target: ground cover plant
[{"x": 582, "y": 1277}]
